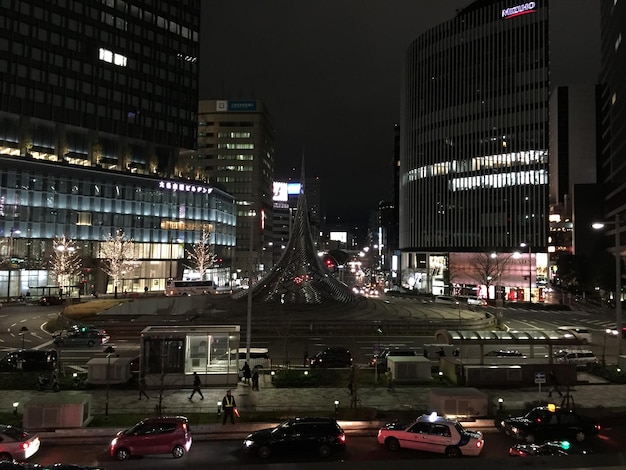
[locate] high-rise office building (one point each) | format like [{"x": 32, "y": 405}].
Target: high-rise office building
[
  {"x": 97, "y": 99},
  {"x": 612, "y": 166},
  {"x": 474, "y": 147},
  {"x": 236, "y": 153}
]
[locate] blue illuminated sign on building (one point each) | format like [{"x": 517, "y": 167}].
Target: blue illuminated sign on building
[{"x": 242, "y": 105}]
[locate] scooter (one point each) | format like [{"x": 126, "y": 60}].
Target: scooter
[
  {"x": 78, "y": 382},
  {"x": 47, "y": 383}
]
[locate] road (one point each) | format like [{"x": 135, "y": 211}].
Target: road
[
  {"x": 228, "y": 454},
  {"x": 292, "y": 348}
]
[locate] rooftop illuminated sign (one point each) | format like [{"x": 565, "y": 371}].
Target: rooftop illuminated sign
[
  {"x": 184, "y": 187},
  {"x": 519, "y": 10}
]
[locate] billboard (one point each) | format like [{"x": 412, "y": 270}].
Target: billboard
[
  {"x": 281, "y": 193},
  {"x": 293, "y": 189},
  {"x": 339, "y": 236}
]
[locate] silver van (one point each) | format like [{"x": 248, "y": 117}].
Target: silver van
[
  {"x": 578, "y": 332},
  {"x": 259, "y": 358}
]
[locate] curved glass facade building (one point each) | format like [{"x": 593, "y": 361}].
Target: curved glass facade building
[
  {"x": 40, "y": 201},
  {"x": 474, "y": 145}
]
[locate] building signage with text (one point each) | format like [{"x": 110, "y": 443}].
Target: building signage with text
[{"x": 518, "y": 10}]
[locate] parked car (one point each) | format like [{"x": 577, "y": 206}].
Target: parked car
[
  {"x": 68, "y": 466},
  {"x": 578, "y": 332},
  {"x": 550, "y": 422},
  {"x": 559, "y": 448},
  {"x": 581, "y": 358},
  {"x": 446, "y": 299},
  {"x": 332, "y": 357},
  {"x": 473, "y": 300},
  {"x": 380, "y": 360},
  {"x": 504, "y": 353},
  {"x": 432, "y": 433},
  {"x": 297, "y": 435},
  {"x": 17, "y": 444},
  {"x": 29, "y": 360},
  {"x": 89, "y": 338},
  {"x": 48, "y": 300},
  {"x": 161, "y": 435}
]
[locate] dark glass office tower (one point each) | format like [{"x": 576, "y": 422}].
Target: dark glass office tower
[
  {"x": 612, "y": 165},
  {"x": 474, "y": 146},
  {"x": 99, "y": 82},
  {"x": 97, "y": 98}
]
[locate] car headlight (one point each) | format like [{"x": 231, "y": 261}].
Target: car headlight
[
  {"x": 248, "y": 443},
  {"x": 113, "y": 442},
  {"x": 514, "y": 430}
]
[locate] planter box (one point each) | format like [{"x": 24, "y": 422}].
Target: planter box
[{"x": 58, "y": 410}]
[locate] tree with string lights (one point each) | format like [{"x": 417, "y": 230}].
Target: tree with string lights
[
  {"x": 118, "y": 257},
  {"x": 202, "y": 256},
  {"x": 65, "y": 262}
]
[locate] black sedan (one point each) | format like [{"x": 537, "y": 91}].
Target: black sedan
[
  {"x": 558, "y": 448},
  {"x": 550, "y": 422},
  {"x": 297, "y": 435}
]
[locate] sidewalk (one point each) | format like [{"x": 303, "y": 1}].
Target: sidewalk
[{"x": 405, "y": 401}]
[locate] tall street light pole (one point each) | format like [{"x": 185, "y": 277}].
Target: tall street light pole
[
  {"x": 618, "y": 279},
  {"x": 530, "y": 269},
  {"x": 13, "y": 232},
  {"x": 109, "y": 350},
  {"x": 23, "y": 331}
]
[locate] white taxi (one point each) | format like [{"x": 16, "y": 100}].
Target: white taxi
[{"x": 432, "y": 433}]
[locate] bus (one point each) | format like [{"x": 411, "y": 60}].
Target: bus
[{"x": 176, "y": 288}]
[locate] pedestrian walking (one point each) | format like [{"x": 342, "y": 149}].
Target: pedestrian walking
[
  {"x": 142, "y": 388},
  {"x": 389, "y": 376},
  {"x": 255, "y": 379},
  {"x": 554, "y": 385},
  {"x": 351, "y": 380},
  {"x": 246, "y": 372},
  {"x": 229, "y": 406},
  {"x": 196, "y": 387}
]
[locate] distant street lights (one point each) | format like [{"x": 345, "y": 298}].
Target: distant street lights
[
  {"x": 109, "y": 351},
  {"x": 618, "y": 278}
]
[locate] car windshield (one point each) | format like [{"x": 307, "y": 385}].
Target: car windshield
[
  {"x": 281, "y": 427},
  {"x": 536, "y": 413},
  {"x": 131, "y": 431},
  {"x": 15, "y": 433},
  {"x": 459, "y": 427}
]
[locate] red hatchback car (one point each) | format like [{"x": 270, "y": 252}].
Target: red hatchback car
[{"x": 162, "y": 435}]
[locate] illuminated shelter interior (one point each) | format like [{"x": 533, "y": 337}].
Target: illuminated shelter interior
[
  {"x": 299, "y": 276},
  {"x": 512, "y": 338}
]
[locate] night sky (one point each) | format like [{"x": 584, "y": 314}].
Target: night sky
[{"x": 330, "y": 73}]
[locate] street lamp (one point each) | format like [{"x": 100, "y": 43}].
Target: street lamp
[
  {"x": 109, "y": 351},
  {"x": 530, "y": 269},
  {"x": 23, "y": 331},
  {"x": 618, "y": 278}
]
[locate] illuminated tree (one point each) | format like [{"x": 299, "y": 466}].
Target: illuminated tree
[
  {"x": 118, "y": 257},
  {"x": 488, "y": 267},
  {"x": 202, "y": 257},
  {"x": 65, "y": 262}
]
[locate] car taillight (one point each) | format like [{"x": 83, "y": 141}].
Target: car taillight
[
  {"x": 342, "y": 438},
  {"x": 24, "y": 445},
  {"x": 184, "y": 426},
  {"x": 598, "y": 427},
  {"x": 479, "y": 444},
  {"x": 516, "y": 452}
]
